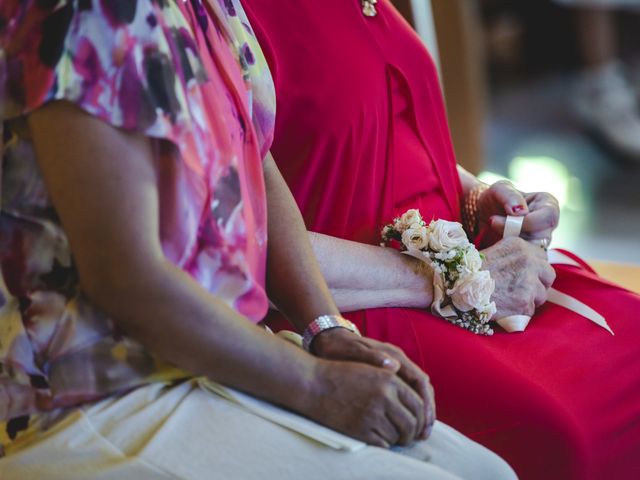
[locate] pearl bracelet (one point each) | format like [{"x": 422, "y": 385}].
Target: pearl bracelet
[{"x": 322, "y": 323}]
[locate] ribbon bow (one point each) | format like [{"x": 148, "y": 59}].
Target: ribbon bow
[{"x": 518, "y": 323}]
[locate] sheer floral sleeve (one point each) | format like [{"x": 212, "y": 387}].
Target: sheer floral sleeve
[{"x": 190, "y": 76}]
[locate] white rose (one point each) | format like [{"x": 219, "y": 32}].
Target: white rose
[
  {"x": 473, "y": 291},
  {"x": 410, "y": 217},
  {"x": 398, "y": 226},
  {"x": 445, "y": 235},
  {"x": 471, "y": 260},
  {"x": 415, "y": 237}
]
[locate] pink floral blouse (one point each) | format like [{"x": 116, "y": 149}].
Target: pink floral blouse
[{"x": 190, "y": 75}]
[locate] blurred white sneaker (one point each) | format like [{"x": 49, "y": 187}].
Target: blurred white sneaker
[{"x": 607, "y": 105}]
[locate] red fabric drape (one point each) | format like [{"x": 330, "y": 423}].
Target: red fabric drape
[{"x": 361, "y": 135}]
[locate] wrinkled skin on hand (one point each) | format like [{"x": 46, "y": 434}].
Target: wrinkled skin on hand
[
  {"x": 341, "y": 344},
  {"x": 522, "y": 275},
  {"x": 369, "y": 403}
]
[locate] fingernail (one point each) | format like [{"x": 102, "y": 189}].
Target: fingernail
[
  {"x": 390, "y": 363},
  {"x": 517, "y": 208}
]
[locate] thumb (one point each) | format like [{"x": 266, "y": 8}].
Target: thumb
[{"x": 510, "y": 198}]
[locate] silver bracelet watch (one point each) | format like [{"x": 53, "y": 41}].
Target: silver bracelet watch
[{"x": 322, "y": 323}]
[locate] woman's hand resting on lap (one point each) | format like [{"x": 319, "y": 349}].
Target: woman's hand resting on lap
[
  {"x": 369, "y": 403},
  {"x": 522, "y": 274},
  {"x": 341, "y": 344}
]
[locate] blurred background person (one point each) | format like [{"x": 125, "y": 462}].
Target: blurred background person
[
  {"x": 518, "y": 99},
  {"x": 605, "y": 100}
]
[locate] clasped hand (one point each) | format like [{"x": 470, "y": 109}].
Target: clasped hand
[{"x": 371, "y": 390}]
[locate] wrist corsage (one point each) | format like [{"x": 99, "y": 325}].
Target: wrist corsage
[{"x": 461, "y": 290}]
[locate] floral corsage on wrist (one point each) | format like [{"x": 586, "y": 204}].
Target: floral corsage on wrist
[{"x": 461, "y": 290}]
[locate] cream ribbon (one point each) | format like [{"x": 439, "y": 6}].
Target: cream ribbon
[
  {"x": 285, "y": 418},
  {"x": 518, "y": 323}
]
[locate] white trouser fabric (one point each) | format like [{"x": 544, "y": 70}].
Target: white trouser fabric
[{"x": 185, "y": 432}]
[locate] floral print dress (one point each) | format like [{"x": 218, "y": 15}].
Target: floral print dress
[{"x": 188, "y": 74}]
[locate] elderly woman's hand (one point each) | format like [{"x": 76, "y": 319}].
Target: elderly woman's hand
[
  {"x": 369, "y": 403},
  {"x": 522, "y": 274},
  {"x": 540, "y": 210},
  {"x": 341, "y": 344}
]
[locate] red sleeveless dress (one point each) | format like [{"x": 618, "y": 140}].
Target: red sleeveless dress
[{"x": 361, "y": 135}]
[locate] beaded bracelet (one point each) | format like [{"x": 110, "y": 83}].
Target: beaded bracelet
[{"x": 470, "y": 209}]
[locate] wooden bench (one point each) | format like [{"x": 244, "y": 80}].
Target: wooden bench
[{"x": 623, "y": 274}]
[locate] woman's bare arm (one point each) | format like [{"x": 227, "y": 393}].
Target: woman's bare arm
[
  {"x": 291, "y": 257},
  {"x": 363, "y": 276},
  {"x": 368, "y": 276},
  {"x": 103, "y": 183},
  {"x": 297, "y": 288}
]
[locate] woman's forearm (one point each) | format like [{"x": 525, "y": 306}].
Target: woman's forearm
[
  {"x": 104, "y": 186},
  {"x": 364, "y": 276},
  {"x": 294, "y": 281},
  {"x": 467, "y": 179},
  {"x": 172, "y": 315},
  {"x": 368, "y": 276}
]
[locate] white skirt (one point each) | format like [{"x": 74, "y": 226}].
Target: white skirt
[{"x": 187, "y": 432}]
